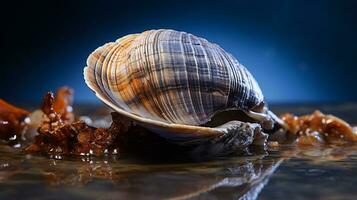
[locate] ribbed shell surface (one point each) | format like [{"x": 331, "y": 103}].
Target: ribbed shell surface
[{"x": 170, "y": 76}]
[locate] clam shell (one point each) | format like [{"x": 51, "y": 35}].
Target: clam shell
[{"x": 170, "y": 81}]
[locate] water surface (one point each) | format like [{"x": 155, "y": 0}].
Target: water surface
[{"x": 284, "y": 173}]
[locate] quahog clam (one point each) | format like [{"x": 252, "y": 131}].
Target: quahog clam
[{"x": 174, "y": 83}]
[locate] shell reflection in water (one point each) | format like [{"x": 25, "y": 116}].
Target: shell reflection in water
[
  {"x": 119, "y": 178},
  {"x": 172, "y": 82}
]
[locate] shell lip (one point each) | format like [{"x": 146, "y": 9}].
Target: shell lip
[{"x": 186, "y": 129}]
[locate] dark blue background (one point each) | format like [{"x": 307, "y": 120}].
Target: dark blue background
[{"x": 299, "y": 51}]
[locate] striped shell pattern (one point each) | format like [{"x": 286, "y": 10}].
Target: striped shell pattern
[{"x": 170, "y": 77}]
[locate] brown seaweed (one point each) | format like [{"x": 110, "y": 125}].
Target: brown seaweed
[
  {"x": 316, "y": 129},
  {"x": 63, "y": 103},
  {"x": 12, "y": 122},
  {"x": 58, "y": 135}
]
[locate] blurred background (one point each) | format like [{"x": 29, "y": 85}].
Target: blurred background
[{"x": 299, "y": 51}]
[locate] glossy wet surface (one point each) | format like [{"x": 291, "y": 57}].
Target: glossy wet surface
[{"x": 284, "y": 173}]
